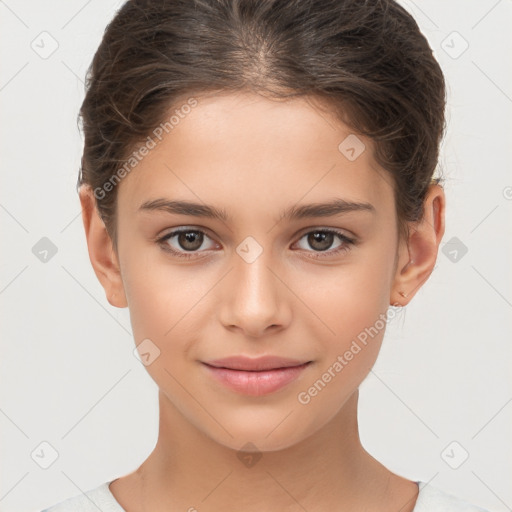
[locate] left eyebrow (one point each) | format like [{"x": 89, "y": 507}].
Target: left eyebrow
[{"x": 329, "y": 209}]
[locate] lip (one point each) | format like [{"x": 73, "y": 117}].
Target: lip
[
  {"x": 255, "y": 376},
  {"x": 254, "y": 363}
]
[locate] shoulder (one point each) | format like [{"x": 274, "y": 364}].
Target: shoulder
[
  {"x": 99, "y": 498},
  {"x": 432, "y": 499}
]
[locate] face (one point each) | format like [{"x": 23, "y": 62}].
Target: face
[{"x": 273, "y": 274}]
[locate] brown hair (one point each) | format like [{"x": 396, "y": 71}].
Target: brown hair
[{"x": 366, "y": 58}]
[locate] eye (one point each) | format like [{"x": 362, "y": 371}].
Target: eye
[
  {"x": 187, "y": 242},
  {"x": 322, "y": 239}
]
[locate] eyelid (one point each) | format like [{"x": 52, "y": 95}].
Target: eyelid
[
  {"x": 339, "y": 231},
  {"x": 184, "y": 228}
]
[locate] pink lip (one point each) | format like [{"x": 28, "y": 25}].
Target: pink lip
[{"x": 258, "y": 376}]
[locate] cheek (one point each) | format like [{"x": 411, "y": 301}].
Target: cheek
[
  {"x": 350, "y": 303},
  {"x": 349, "y": 298},
  {"x": 352, "y": 306},
  {"x": 167, "y": 304}
]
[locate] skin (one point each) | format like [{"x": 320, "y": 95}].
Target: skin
[{"x": 253, "y": 157}]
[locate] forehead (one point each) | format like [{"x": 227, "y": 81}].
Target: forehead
[{"x": 262, "y": 150}]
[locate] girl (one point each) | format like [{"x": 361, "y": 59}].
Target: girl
[{"x": 257, "y": 188}]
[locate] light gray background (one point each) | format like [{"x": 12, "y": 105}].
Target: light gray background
[{"x": 69, "y": 376}]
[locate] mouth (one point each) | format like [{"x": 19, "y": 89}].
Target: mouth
[
  {"x": 264, "y": 363},
  {"x": 256, "y": 377}
]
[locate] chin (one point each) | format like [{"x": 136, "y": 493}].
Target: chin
[
  {"x": 268, "y": 433},
  {"x": 257, "y": 442}
]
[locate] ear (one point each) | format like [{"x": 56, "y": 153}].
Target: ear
[
  {"x": 101, "y": 251},
  {"x": 417, "y": 256}
]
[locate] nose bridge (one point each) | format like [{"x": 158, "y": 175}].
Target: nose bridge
[
  {"x": 255, "y": 298},
  {"x": 255, "y": 281}
]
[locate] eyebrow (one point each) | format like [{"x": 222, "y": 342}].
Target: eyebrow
[{"x": 329, "y": 209}]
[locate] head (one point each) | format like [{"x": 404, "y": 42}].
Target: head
[{"x": 254, "y": 109}]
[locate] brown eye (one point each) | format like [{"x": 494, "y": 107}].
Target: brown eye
[
  {"x": 320, "y": 240},
  {"x": 185, "y": 243},
  {"x": 190, "y": 240}
]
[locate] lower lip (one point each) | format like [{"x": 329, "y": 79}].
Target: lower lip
[{"x": 256, "y": 383}]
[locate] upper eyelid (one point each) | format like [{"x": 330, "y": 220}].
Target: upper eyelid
[{"x": 336, "y": 231}]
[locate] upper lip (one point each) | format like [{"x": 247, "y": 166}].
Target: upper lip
[{"x": 255, "y": 364}]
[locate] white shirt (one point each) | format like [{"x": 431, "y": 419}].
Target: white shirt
[{"x": 430, "y": 499}]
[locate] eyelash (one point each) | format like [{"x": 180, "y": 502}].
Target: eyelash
[{"x": 346, "y": 246}]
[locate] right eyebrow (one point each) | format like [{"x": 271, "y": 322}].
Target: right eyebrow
[{"x": 184, "y": 208}]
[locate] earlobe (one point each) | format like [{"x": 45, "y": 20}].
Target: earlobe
[
  {"x": 101, "y": 252},
  {"x": 417, "y": 258}
]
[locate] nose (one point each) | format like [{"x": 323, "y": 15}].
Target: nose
[{"x": 255, "y": 301}]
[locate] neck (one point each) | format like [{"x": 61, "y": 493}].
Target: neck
[{"x": 330, "y": 470}]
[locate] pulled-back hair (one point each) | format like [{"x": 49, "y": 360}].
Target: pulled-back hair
[{"x": 366, "y": 58}]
